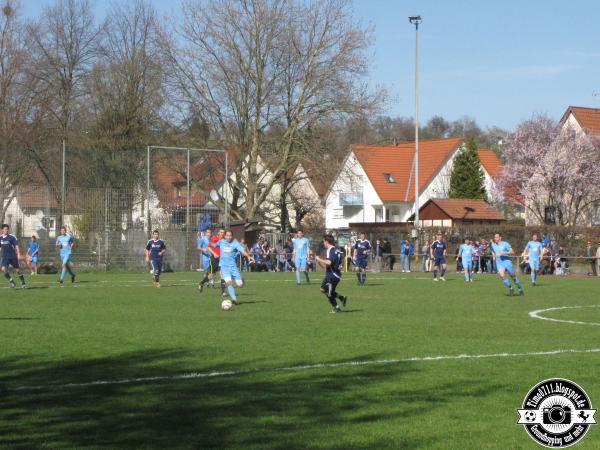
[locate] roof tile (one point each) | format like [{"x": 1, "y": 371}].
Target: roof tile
[{"x": 397, "y": 160}]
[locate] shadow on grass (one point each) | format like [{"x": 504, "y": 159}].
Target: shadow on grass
[
  {"x": 321, "y": 407},
  {"x": 19, "y": 318}
]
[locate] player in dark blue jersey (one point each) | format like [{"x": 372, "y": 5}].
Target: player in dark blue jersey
[
  {"x": 362, "y": 248},
  {"x": 438, "y": 255},
  {"x": 10, "y": 256},
  {"x": 155, "y": 250},
  {"x": 333, "y": 274}
]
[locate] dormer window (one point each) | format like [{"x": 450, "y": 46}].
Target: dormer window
[{"x": 389, "y": 177}]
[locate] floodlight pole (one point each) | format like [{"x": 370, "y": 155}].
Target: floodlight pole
[
  {"x": 148, "y": 192},
  {"x": 188, "y": 150},
  {"x": 416, "y": 20},
  {"x": 63, "y": 184}
]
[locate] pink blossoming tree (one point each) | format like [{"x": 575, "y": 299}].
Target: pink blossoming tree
[{"x": 553, "y": 171}]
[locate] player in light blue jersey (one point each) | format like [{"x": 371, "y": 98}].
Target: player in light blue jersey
[
  {"x": 301, "y": 254},
  {"x": 230, "y": 248},
  {"x": 465, "y": 252},
  {"x": 534, "y": 250},
  {"x": 502, "y": 252},
  {"x": 34, "y": 253},
  {"x": 205, "y": 257},
  {"x": 65, "y": 243}
]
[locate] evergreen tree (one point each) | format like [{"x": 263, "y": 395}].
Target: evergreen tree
[{"x": 467, "y": 179}]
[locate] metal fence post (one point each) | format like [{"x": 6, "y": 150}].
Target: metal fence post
[{"x": 187, "y": 213}]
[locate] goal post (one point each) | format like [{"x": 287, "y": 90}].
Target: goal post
[{"x": 184, "y": 187}]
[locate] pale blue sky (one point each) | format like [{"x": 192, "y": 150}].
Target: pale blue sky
[{"x": 498, "y": 62}]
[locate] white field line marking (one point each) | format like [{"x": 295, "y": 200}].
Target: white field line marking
[
  {"x": 537, "y": 314},
  {"x": 198, "y": 375}
]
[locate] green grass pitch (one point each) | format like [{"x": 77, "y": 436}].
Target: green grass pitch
[{"x": 114, "y": 363}]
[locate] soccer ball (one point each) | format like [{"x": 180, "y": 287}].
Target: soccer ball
[
  {"x": 530, "y": 416},
  {"x": 226, "y": 305}
]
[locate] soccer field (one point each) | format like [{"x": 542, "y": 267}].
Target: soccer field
[{"x": 112, "y": 362}]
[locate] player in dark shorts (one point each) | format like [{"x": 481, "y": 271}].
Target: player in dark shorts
[
  {"x": 362, "y": 248},
  {"x": 10, "y": 256},
  {"x": 438, "y": 255},
  {"x": 155, "y": 250},
  {"x": 333, "y": 274}
]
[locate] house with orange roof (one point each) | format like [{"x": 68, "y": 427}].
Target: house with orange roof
[
  {"x": 492, "y": 169},
  {"x": 376, "y": 182},
  {"x": 448, "y": 212},
  {"x": 582, "y": 119}
]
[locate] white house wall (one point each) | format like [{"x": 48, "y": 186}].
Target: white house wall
[{"x": 351, "y": 179}]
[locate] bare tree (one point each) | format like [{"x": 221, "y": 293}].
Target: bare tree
[
  {"x": 126, "y": 94},
  {"x": 15, "y": 106},
  {"x": 64, "y": 48},
  {"x": 250, "y": 65}
]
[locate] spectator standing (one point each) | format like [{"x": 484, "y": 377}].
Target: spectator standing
[
  {"x": 245, "y": 264},
  {"x": 404, "y": 255},
  {"x": 476, "y": 257},
  {"x": 387, "y": 255},
  {"x": 378, "y": 254},
  {"x": 425, "y": 256},
  {"x": 589, "y": 253}
]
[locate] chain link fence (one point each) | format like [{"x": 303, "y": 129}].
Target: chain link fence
[{"x": 110, "y": 201}]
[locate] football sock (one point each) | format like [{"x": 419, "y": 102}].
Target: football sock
[
  {"x": 62, "y": 274},
  {"x": 434, "y": 273},
  {"x": 364, "y": 277},
  {"x": 204, "y": 280},
  {"x": 231, "y": 291},
  {"x": 70, "y": 271},
  {"x": 467, "y": 276},
  {"x": 22, "y": 278},
  {"x": 7, "y": 276},
  {"x": 443, "y": 271},
  {"x": 298, "y": 277},
  {"x": 533, "y": 276},
  {"x": 223, "y": 286},
  {"x": 306, "y": 276},
  {"x": 518, "y": 283},
  {"x": 331, "y": 299},
  {"x": 506, "y": 282},
  {"x": 358, "y": 276}
]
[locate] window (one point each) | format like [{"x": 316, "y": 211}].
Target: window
[
  {"x": 49, "y": 223},
  {"x": 351, "y": 199},
  {"x": 389, "y": 177},
  {"x": 338, "y": 213}
]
